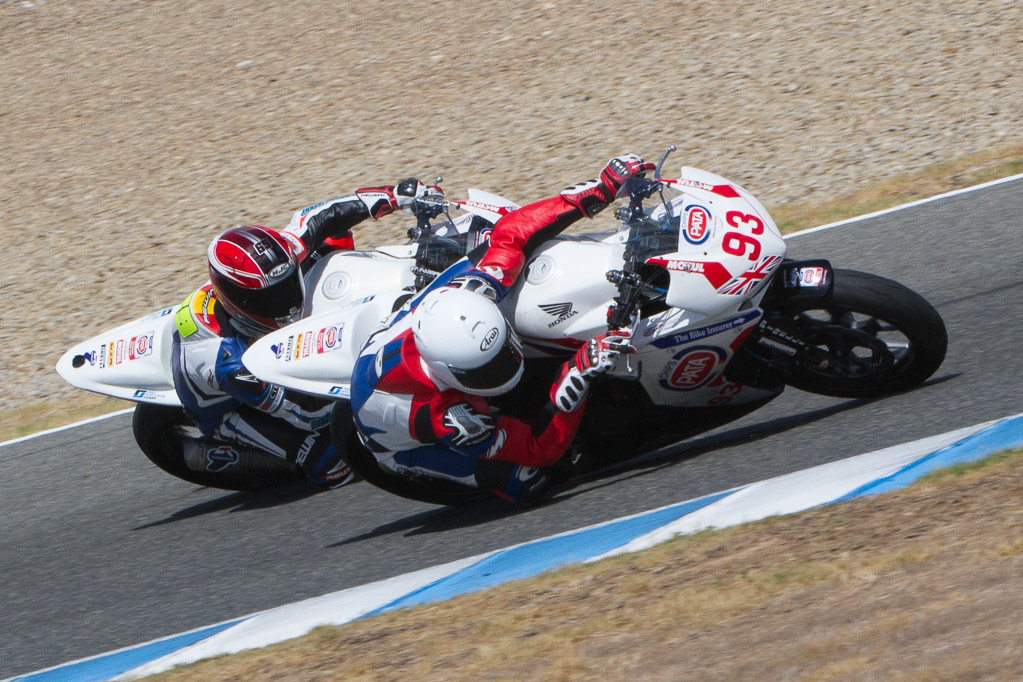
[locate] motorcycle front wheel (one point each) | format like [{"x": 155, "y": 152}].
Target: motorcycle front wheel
[{"x": 870, "y": 336}]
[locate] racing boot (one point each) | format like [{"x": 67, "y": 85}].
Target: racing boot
[{"x": 512, "y": 482}]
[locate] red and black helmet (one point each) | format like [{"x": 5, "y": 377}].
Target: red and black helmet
[{"x": 255, "y": 274}]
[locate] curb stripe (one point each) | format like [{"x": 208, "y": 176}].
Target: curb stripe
[
  {"x": 533, "y": 558},
  {"x": 106, "y": 666},
  {"x": 1005, "y": 435}
]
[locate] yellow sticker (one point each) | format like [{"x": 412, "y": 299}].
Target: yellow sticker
[{"x": 183, "y": 319}]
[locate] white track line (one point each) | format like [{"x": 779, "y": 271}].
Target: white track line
[
  {"x": 65, "y": 428},
  {"x": 901, "y": 207},
  {"x": 829, "y": 226}
]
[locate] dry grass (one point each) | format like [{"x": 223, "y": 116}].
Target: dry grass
[
  {"x": 54, "y": 412},
  {"x": 930, "y": 181},
  {"x": 921, "y": 584}
]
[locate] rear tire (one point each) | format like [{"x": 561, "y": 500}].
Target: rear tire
[
  {"x": 155, "y": 429},
  {"x": 881, "y": 336}
]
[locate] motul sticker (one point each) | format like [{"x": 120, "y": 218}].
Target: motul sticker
[
  {"x": 691, "y": 369},
  {"x": 697, "y": 224}
]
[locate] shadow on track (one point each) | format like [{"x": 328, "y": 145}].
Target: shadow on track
[
  {"x": 673, "y": 455},
  {"x": 241, "y": 501}
]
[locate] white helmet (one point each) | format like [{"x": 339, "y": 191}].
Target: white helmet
[{"x": 466, "y": 343}]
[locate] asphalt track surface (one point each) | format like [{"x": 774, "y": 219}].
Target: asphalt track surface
[{"x": 100, "y": 550}]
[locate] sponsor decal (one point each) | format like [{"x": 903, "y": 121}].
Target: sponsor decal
[
  {"x": 280, "y": 270},
  {"x": 122, "y": 350},
  {"x": 697, "y": 224},
  {"x": 332, "y": 337},
  {"x": 561, "y": 311},
  {"x": 219, "y": 458},
  {"x": 776, "y": 345},
  {"x": 490, "y": 339},
  {"x": 709, "y": 330},
  {"x": 313, "y": 342},
  {"x": 143, "y": 394},
  {"x": 806, "y": 277},
  {"x": 684, "y": 265},
  {"x": 206, "y": 308},
  {"x": 713, "y": 272},
  {"x": 691, "y": 368},
  {"x": 725, "y": 394},
  {"x": 158, "y": 314},
  {"x": 493, "y": 208},
  {"x": 720, "y": 190},
  {"x": 309, "y": 209},
  {"x": 483, "y": 236},
  {"x": 752, "y": 278},
  {"x": 306, "y": 448},
  {"x": 342, "y": 392}
]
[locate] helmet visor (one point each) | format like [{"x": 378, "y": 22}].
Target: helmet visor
[
  {"x": 496, "y": 372},
  {"x": 279, "y": 300}
]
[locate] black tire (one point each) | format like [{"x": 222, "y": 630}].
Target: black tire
[
  {"x": 881, "y": 337},
  {"x": 420, "y": 488},
  {"x": 154, "y": 429}
]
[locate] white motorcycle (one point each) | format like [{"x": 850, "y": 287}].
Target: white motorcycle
[
  {"x": 133, "y": 361},
  {"x": 722, "y": 322}
]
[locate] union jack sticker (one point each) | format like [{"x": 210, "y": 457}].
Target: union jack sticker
[{"x": 751, "y": 279}]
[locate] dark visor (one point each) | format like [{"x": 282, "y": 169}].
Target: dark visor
[
  {"x": 497, "y": 372},
  {"x": 277, "y": 300}
]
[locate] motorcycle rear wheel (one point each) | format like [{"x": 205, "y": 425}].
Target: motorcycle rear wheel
[
  {"x": 881, "y": 337},
  {"x": 413, "y": 487},
  {"x": 155, "y": 430}
]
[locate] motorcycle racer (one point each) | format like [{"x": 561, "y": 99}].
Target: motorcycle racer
[
  {"x": 420, "y": 385},
  {"x": 256, "y": 286}
]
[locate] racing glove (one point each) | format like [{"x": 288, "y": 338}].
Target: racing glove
[
  {"x": 594, "y": 358},
  {"x": 381, "y": 201},
  {"x": 593, "y": 196}
]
